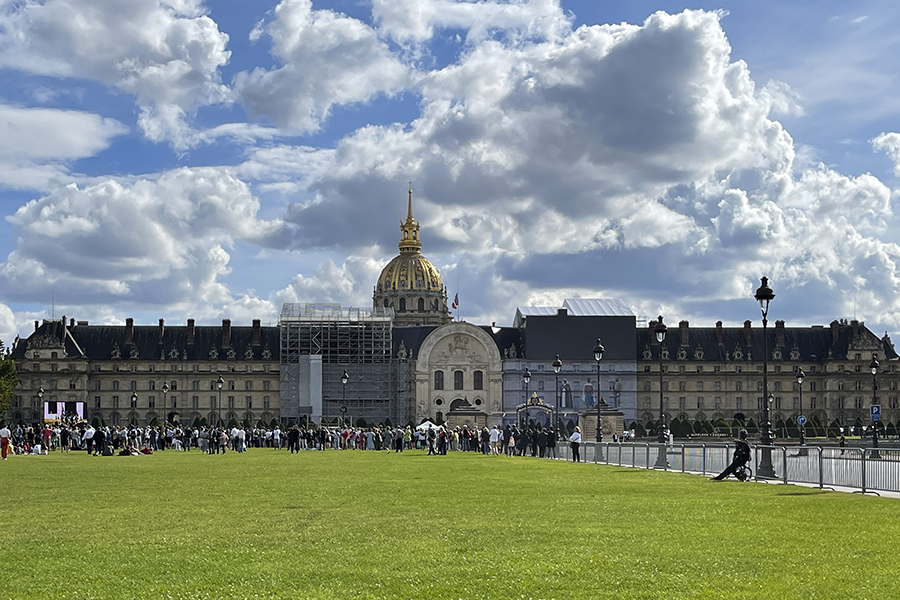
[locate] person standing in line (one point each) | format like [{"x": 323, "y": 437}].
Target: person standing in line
[
  {"x": 542, "y": 439},
  {"x": 5, "y": 435},
  {"x": 89, "y": 438},
  {"x": 551, "y": 443},
  {"x": 575, "y": 443}
]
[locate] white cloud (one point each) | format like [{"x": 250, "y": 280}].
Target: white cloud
[
  {"x": 327, "y": 59},
  {"x": 518, "y": 20},
  {"x": 889, "y": 143},
  {"x": 39, "y": 142},
  {"x": 165, "y": 52},
  {"x": 161, "y": 242}
]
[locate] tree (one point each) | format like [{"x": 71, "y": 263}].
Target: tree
[
  {"x": 360, "y": 422},
  {"x": 8, "y": 380}
]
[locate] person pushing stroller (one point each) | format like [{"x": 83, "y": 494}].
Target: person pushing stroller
[{"x": 741, "y": 457}]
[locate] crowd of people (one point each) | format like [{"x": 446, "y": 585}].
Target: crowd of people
[{"x": 72, "y": 435}]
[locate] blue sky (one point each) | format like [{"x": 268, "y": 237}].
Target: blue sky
[{"x": 183, "y": 159}]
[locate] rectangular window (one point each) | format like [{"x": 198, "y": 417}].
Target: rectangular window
[
  {"x": 718, "y": 403},
  {"x": 438, "y": 380},
  {"x": 173, "y": 368},
  {"x": 479, "y": 380},
  {"x": 195, "y": 368},
  {"x": 893, "y": 402},
  {"x": 231, "y": 385},
  {"x": 646, "y": 401},
  {"x": 812, "y": 403},
  {"x": 857, "y": 403},
  {"x": 213, "y": 368},
  {"x": 53, "y": 367},
  {"x": 97, "y": 401},
  {"x": 699, "y": 386},
  {"x": 174, "y": 385},
  {"x": 266, "y": 385},
  {"x": 777, "y": 386},
  {"x": 230, "y": 401},
  {"x": 248, "y": 401},
  {"x": 739, "y": 386},
  {"x": 646, "y": 368},
  {"x": 665, "y": 386},
  {"x": 212, "y": 384},
  {"x": 812, "y": 386},
  {"x": 195, "y": 401},
  {"x": 212, "y": 402},
  {"x": 248, "y": 386},
  {"x": 840, "y": 402},
  {"x": 682, "y": 386},
  {"x": 739, "y": 369},
  {"x": 739, "y": 403},
  {"x": 540, "y": 386},
  {"x": 457, "y": 380},
  {"x": 115, "y": 385},
  {"x": 195, "y": 385},
  {"x": 249, "y": 368},
  {"x": 151, "y": 368},
  {"x": 72, "y": 384},
  {"x": 796, "y": 403},
  {"x": 699, "y": 368},
  {"x": 778, "y": 368},
  {"x": 682, "y": 401},
  {"x": 151, "y": 385},
  {"x": 265, "y": 403},
  {"x": 717, "y": 386},
  {"x": 699, "y": 402},
  {"x": 115, "y": 401},
  {"x": 151, "y": 401}
]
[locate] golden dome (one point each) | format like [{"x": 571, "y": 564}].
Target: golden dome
[{"x": 410, "y": 271}]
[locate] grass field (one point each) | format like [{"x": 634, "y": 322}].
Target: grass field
[{"x": 267, "y": 524}]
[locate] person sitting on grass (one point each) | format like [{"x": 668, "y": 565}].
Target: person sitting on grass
[{"x": 741, "y": 456}]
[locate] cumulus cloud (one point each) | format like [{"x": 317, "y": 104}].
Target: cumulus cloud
[
  {"x": 162, "y": 241},
  {"x": 640, "y": 145},
  {"x": 515, "y": 20},
  {"x": 327, "y": 59},
  {"x": 38, "y": 143},
  {"x": 889, "y": 143},
  {"x": 165, "y": 52}
]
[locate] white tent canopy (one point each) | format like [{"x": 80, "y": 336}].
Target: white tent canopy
[{"x": 426, "y": 426}]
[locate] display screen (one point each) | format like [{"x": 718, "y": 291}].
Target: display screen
[{"x": 56, "y": 411}]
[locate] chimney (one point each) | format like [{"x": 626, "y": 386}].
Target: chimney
[
  {"x": 162, "y": 330},
  {"x": 190, "y": 331},
  {"x": 779, "y": 334},
  {"x": 835, "y": 331},
  {"x": 64, "y": 329},
  {"x": 718, "y": 332},
  {"x": 129, "y": 331},
  {"x": 683, "y": 329},
  {"x": 747, "y": 339},
  {"x": 562, "y": 312},
  {"x": 71, "y": 323},
  {"x": 854, "y": 324},
  {"x": 256, "y": 332},
  {"x": 226, "y": 333},
  {"x": 36, "y": 325}
]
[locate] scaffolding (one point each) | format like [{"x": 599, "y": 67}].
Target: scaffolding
[{"x": 332, "y": 338}]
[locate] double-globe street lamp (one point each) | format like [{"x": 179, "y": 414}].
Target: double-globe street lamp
[
  {"x": 661, "y": 461},
  {"x": 557, "y": 366},
  {"x": 764, "y": 295}
]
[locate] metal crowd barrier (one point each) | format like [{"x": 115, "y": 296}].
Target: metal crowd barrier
[{"x": 865, "y": 470}]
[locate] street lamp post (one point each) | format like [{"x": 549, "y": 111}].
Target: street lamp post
[
  {"x": 873, "y": 366},
  {"x": 219, "y": 383},
  {"x": 344, "y": 380},
  {"x": 557, "y": 365},
  {"x": 598, "y": 356},
  {"x": 133, "y": 405},
  {"x": 764, "y": 295},
  {"x": 800, "y": 376},
  {"x": 40, "y": 395},
  {"x": 527, "y": 379},
  {"x": 661, "y": 461},
  {"x": 165, "y": 391}
]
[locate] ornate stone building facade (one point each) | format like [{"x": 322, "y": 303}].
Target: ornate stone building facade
[
  {"x": 142, "y": 374},
  {"x": 712, "y": 373}
]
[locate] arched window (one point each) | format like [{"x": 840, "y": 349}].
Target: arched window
[
  {"x": 457, "y": 380},
  {"x": 438, "y": 380},
  {"x": 479, "y": 380},
  {"x": 421, "y": 304},
  {"x": 402, "y": 305}
]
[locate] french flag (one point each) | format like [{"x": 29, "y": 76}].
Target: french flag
[{"x": 455, "y": 303}]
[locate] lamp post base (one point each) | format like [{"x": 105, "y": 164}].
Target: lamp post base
[
  {"x": 766, "y": 470},
  {"x": 662, "y": 461}
]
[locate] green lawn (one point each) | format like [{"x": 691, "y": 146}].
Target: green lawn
[{"x": 344, "y": 525}]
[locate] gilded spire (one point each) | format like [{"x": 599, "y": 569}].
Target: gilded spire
[{"x": 409, "y": 230}]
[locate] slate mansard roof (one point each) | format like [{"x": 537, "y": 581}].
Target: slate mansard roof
[
  {"x": 735, "y": 344},
  {"x": 159, "y": 342}
]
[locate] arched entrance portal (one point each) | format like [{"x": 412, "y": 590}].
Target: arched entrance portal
[{"x": 534, "y": 410}]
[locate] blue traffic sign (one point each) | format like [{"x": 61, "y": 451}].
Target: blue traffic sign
[
  {"x": 875, "y": 412},
  {"x": 801, "y": 420}
]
